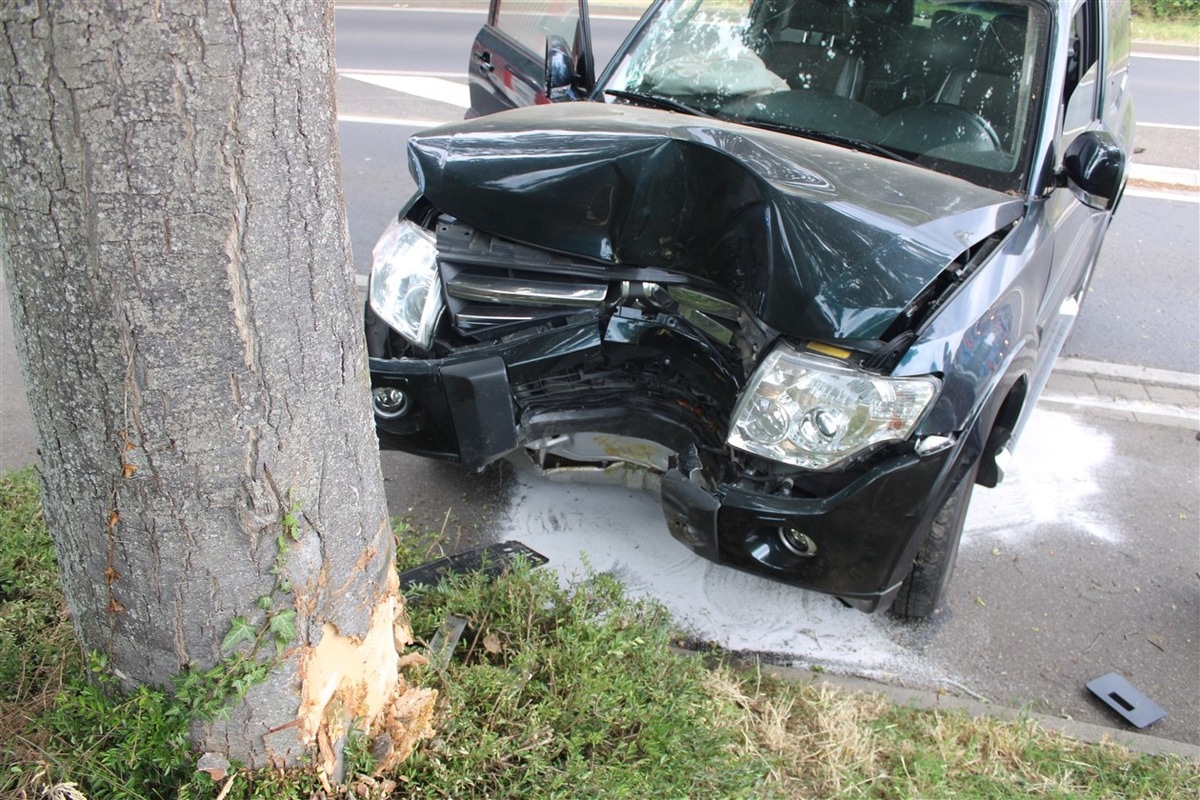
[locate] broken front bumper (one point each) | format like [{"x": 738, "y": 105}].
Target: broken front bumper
[{"x": 855, "y": 537}]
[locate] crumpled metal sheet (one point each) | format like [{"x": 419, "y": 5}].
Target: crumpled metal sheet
[{"x": 818, "y": 241}]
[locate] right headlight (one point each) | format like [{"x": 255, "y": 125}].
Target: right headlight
[
  {"x": 815, "y": 412},
  {"x": 404, "y": 289}
]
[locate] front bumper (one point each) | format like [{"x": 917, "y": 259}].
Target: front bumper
[
  {"x": 862, "y": 537},
  {"x": 474, "y": 407}
]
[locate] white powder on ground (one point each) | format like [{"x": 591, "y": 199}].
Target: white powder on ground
[
  {"x": 1051, "y": 489},
  {"x": 623, "y": 533}
]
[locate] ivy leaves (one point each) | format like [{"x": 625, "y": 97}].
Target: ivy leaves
[{"x": 205, "y": 693}]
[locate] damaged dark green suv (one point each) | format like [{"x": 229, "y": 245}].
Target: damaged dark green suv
[{"x": 803, "y": 266}]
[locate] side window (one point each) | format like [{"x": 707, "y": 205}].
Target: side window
[
  {"x": 1082, "y": 74},
  {"x": 529, "y": 22}
]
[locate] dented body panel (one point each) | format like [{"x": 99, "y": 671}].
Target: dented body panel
[
  {"x": 818, "y": 241},
  {"x": 807, "y": 339}
]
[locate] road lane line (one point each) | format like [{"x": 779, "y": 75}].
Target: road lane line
[
  {"x": 458, "y": 77},
  {"x": 1156, "y": 194},
  {"x": 1168, "y": 126},
  {"x": 1164, "y": 56},
  {"x": 394, "y": 121},
  {"x": 1172, "y": 176},
  {"x": 439, "y": 89},
  {"x": 424, "y": 9},
  {"x": 475, "y": 12}
]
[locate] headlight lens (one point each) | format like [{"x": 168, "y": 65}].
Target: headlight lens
[
  {"x": 404, "y": 289},
  {"x": 815, "y": 413}
]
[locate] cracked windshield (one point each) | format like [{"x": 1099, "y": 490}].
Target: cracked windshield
[{"x": 946, "y": 85}]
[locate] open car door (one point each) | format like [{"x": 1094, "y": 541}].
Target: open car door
[{"x": 531, "y": 51}]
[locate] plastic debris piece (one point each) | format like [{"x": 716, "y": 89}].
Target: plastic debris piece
[
  {"x": 1121, "y": 696},
  {"x": 445, "y": 640},
  {"x": 493, "y": 560}
]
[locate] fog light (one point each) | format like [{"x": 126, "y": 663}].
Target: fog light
[
  {"x": 797, "y": 543},
  {"x": 390, "y": 402}
]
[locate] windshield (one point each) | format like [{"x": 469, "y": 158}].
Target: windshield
[{"x": 953, "y": 86}]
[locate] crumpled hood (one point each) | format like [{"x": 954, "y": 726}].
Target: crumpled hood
[{"x": 818, "y": 241}]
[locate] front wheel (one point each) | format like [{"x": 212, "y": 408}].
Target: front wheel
[{"x": 923, "y": 592}]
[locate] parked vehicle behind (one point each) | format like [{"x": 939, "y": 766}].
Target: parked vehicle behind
[{"x": 804, "y": 266}]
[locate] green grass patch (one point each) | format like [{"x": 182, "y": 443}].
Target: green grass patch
[
  {"x": 1166, "y": 30},
  {"x": 34, "y": 630},
  {"x": 572, "y": 693},
  {"x": 1167, "y": 21},
  {"x": 551, "y": 692}
]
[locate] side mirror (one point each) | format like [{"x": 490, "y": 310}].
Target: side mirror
[
  {"x": 560, "y": 69},
  {"x": 1095, "y": 168}
]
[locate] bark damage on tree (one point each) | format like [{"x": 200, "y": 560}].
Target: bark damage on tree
[
  {"x": 343, "y": 673},
  {"x": 174, "y": 243}
]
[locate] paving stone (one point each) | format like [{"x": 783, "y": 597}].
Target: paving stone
[
  {"x": 1123, "y": 390},
  {"x": 1071, "y": 383},
  {"x": 1185, "y": 398}
]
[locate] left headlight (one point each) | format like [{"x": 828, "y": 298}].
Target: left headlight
[
  {"x": 404, "y": 289},
  {"x": 815, "y": 413}
]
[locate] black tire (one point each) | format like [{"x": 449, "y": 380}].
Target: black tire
[{"x": 923, "y": 591}]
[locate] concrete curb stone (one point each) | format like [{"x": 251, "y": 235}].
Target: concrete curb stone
[{"x": 1131, "y": 393}]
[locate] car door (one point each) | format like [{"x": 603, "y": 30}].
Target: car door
[
  {"x": 508, "y": 66},
  {"x": 1078, "y": 227}
]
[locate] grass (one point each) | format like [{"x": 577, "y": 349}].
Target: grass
[
  {"x": 551, "y": 692},
  {"x": 1167, "y": 30}
]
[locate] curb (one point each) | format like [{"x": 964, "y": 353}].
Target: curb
[
  {"x": 1170, "y": 176},
  {"x": 1129, "y": 373},
  {"x": 1148, "y": 48},
  {"x": 1132, "y": 393},
  {"x": 923, "y": 699}
]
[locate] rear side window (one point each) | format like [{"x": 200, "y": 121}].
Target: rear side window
[{"x": 529, "y": 22}]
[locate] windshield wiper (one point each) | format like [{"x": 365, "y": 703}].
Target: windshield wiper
[
  {"x": 658, "y": 101},
  {"x": 832, "y": 138}
]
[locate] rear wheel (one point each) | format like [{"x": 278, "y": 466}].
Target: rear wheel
[{"x": 923, "y": 592}]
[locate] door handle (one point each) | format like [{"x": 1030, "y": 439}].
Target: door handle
[{"x": 485, "y": 62}]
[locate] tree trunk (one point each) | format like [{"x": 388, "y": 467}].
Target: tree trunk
[{"x": 173, "y": 232}]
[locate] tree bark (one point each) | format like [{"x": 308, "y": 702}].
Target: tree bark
[{"x": 172, "y": 229}]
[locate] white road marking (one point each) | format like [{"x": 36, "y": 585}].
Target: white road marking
[
  {"x": 424, "y": 9},
  {"x": 452, "y": 76},
  {"x": 394, "y": 121},
  {"x": 1155, "y": 194},
  {"x": 1168, "y": 126},
  {"x": 430, "y": 88},
  {"x": 475, "y": 12},
  {"x": 1164, "y": 56}
]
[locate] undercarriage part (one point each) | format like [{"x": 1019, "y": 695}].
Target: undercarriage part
[{"x": 493, "y": 560}]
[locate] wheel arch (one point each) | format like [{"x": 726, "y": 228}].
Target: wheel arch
[{"x": 1000, "y": 431}]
